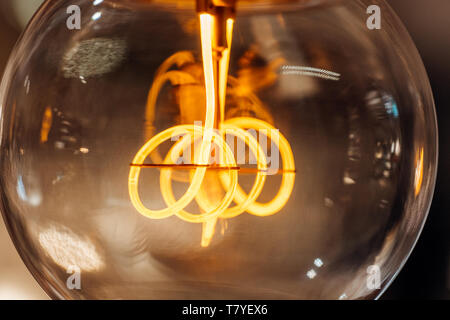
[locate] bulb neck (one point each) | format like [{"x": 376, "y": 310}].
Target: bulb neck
[{"x": 209, "y": 6}]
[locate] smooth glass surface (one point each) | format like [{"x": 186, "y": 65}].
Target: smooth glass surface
[{"x": 354, "y": 105}]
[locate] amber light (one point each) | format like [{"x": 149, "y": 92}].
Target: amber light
[{"x": 211, "y": 133}]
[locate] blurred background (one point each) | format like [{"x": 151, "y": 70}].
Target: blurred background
[{"x": 427, "y": 272}]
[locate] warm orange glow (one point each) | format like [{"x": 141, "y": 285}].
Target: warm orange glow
[
  {"x": 47, "y": 120},
  {"x": 419, "y": 172},
  {"x": 216, "y": 79},
  {"x": 223, "y": 69}
]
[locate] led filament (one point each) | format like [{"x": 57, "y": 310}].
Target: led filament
[{"x": 210, "y": 134}]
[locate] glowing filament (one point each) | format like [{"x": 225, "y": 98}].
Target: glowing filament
[{"x": 215, "y": 78}]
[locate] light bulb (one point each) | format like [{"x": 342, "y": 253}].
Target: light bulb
[{"x": 216, "y": 149}]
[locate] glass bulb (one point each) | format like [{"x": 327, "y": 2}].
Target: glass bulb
[{"x": 178, "y": 150}]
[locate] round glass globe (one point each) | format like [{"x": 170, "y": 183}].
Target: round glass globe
[{"x": 324, "y": 198}]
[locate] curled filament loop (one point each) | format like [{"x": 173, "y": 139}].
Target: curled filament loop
[{"x": 208, "y": 136}]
